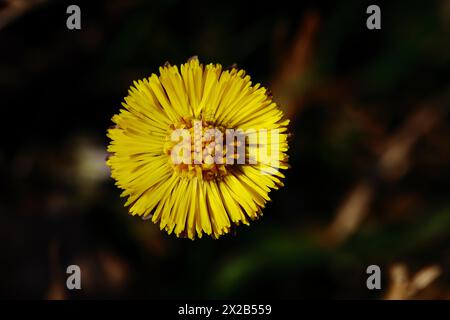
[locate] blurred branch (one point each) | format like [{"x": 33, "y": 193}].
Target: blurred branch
[
  {"x": 402, "y": 286},
  {"x": 301, "y": 250},
  {"x": 56, "y": 290},
  {"x": 394, "y": 161},
  {"x": 12, "y": 9},
  {"x": 351, "y": 212},
  {"x": 392, "y": 164},
  {"x": 295, "y": 64}
]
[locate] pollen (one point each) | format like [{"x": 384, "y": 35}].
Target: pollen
[{"x": 196, "y": 147}]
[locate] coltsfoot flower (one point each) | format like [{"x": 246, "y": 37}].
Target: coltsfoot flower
[{"x": 197, "y": 149}]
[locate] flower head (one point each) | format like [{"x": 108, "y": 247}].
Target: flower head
[{"x": 198, "y": 149}]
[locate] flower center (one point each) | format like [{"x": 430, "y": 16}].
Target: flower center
[{"x": 196, "y": 148}]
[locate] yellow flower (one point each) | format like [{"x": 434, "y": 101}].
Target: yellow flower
[{"x": 198, "y": 149}]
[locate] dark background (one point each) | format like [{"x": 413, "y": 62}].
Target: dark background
[{"x": 370, "y": 149}]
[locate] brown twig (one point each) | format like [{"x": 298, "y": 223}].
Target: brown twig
[
  {"x": 392, "y": 164},
  {"x": 295, "y": 63},
  {"x": 13, "y": 9},
  {"x": 402, "y": 286}
]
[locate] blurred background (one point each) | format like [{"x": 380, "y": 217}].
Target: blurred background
[{"x": 370, "y": 149}]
